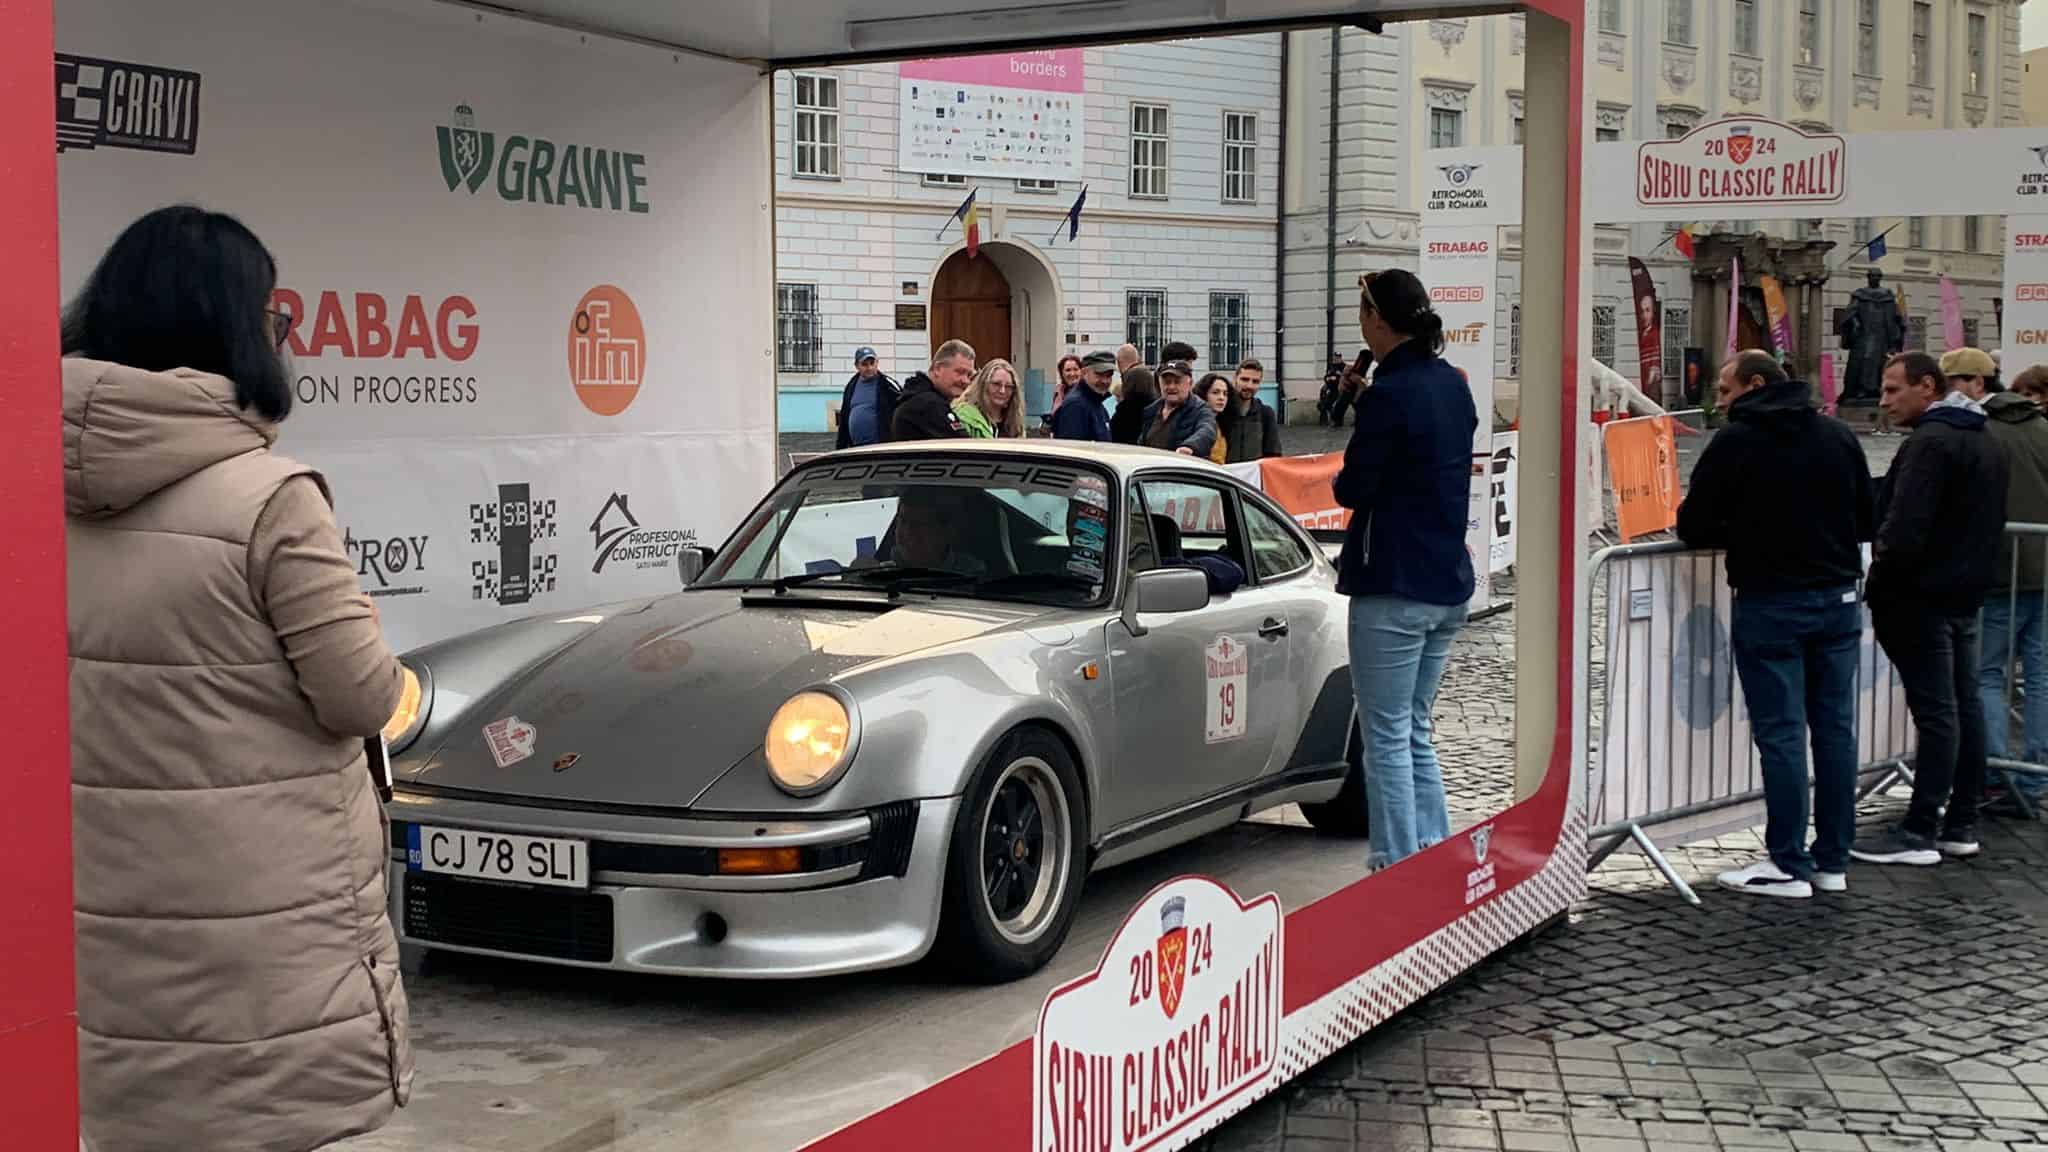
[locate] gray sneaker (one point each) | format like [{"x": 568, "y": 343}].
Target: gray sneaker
[
  {"x": 1831, "y": 881},
  {"x": 1959, "y": 843},
  {"x": 1897, "y": 846}
]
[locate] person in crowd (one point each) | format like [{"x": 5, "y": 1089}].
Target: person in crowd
[
  {"x": 1330, "y": 403},
  {"x": 1083, "y": 417},
  {"x": 1213, "y": 390},
  {"x": 868, "y": 405},
  {"x": 925, "y": 410},
  {"x": 1255, "y": 427},
  {"x": 1938, "y": 537},
  {"x": 1406, "y": 477},
  {"x": 2032, "y": 384},
  {"x": 1176, "y": 422},
  {"x": 1136, "y": 390},
  {"x": 1786, "y": 492},
  {"x": 1070, "y": 378},
  {"x": 2011, "y": 621},
  {"x": 238, "y": 979},
  {"x": 1179, "y": 350},
  {"x": 991, "y": 408}
]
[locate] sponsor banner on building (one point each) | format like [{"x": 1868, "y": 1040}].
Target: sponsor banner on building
[
  {"x": 1503, "y": 477},
  {"x": 1458, "y": 266},
  {"x": 1649, "y": 330},
  {"x": 1175, "y": 1031},
  {"x": 1012, "y": 115},
  {"x": 1742, "y": 160},
  {"x": 505, "y": 355},
  {"x": 2025, "y": 322},
  {"x": 1475, "y": 186}
]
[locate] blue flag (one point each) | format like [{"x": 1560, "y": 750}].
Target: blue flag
[
  {"x": 1074, "y": 214},
  {"x": 1877, "y": 248}
]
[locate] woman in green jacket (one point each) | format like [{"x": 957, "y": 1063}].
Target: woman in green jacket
[{"x": 991, "y": 408}]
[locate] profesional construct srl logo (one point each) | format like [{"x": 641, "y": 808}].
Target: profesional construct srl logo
[
  {"x": 118, "y": 104},
  {"x": 536, "y": 170},
  {"x": 519, "y": 529},
  {"x": 399, "y": 350},
  {"x": 607, "y": 350},
  {"x": 388, "y": 565},
  {"x": 620, "y": 542}
]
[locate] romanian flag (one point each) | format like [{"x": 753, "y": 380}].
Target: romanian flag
[
  {"x": 969, "y": 215},
  {"x": 1682, "y": 240}
]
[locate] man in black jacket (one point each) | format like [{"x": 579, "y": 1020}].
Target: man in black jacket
[
  {"x": 868, "y": 404},
  {"x": 1136, "y": 391},
  {"x": 925, "y": 411},
  {"x": 1787, "y": 492},
  {"x": 1254, "y": 428},
  {"x": 1935, "y": 557}
]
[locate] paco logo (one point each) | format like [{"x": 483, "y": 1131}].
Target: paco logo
[
  {"x": 607, "y": 350},
  {"x": 2031, "y": 292},
  {"x": 1458, "y": 294}
]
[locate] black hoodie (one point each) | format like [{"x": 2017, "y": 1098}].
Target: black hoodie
[
  {"x": 1786, "y": 491},
  {"x": 924, "y": 413},
  {"x": 1944, "y": 517}
]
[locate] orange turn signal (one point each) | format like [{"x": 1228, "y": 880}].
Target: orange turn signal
[{"x": 759, "y": 861}]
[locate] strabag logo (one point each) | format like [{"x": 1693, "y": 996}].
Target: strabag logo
[
  {"x": 2030, "y": 240},
  {"x": 620, "y": 541},
  {"x": 1459, "y": 247},
  {"x": 415, "y": 333},
  {"x": 535, "y": 170},
  {"x": 519, "y": 528},
  {"x": 388, "y": 565},
  {"x": 116, "y": 104},
  {"x": 1177, "y": 1029},
  {"x": 1742, "y": 160}
]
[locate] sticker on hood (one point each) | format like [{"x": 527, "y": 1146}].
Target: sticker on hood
[{"x": 511, "y": 740}]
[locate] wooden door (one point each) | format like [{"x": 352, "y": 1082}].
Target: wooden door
[{"x": 971, "y": 302}]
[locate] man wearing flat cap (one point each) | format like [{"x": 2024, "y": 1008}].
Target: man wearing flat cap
[{"x": 1082, "y": 416}]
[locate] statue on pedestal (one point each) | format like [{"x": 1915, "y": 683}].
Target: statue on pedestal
[{"x": 1871, "y": 330}]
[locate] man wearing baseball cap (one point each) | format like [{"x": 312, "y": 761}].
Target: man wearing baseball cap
[
  {"x": 1083, "y": 416},
  {"x": 868, "y": 404},
  {"x": 1172, "y": 422}
]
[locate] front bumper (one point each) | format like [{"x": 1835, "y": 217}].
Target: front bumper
[{"x": 645, "y": 911}]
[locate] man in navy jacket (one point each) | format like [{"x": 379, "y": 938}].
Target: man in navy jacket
[{"x": 1082, "y": 416}]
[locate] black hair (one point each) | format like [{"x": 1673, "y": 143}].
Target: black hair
[
  {"x": 1918, "y": 365},
  {"x": 1177, "y": 350},
  {"x": 1208, "y": 378},
  {"x": 1400, "y": 299},
  {"x": 1758, "y": 363},
  {"x": 186, "y": 288}
]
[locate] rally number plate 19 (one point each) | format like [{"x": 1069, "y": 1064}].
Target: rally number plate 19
[{"x": 498, "y": 856}]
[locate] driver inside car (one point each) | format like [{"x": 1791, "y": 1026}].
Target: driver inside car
[{"x": 928, "y": 533}]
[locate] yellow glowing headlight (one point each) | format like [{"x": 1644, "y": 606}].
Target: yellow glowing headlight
[
  {"x": 809, "y": 741},
  {"x": 411, "y": 715}
]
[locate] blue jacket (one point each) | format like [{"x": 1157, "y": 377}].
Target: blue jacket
[
  {"x": 1407, "y": 477},
  {"x": 1081, "y": 416},
  {"x": 1193, "y": 427}
]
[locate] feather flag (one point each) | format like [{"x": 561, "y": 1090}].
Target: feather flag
[
  {"x": 1951, "y": 315},
  {"x": 1734, "y": 305},
  {"x": 969, "y": 215},
  {"x": 1073, "y": 220}
]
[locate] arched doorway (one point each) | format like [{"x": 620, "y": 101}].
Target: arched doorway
[{"x": 971, "y": 302}]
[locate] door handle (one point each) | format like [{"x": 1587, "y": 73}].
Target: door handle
[{"x": 1274, "y": 626}]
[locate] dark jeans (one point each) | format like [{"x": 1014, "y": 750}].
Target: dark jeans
[
  {"x": 1796, "y": 655},
  {"x": 1936, "y": 656}
]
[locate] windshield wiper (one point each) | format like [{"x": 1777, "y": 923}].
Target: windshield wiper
[
  {"x": 890, "y": 577},
  {"x": 1024, "y": 581}
]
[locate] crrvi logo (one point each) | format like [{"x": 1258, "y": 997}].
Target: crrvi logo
[{"x": 1457, "y": 294}]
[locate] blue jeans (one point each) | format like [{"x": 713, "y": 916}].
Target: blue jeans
[
  {"x": 2012, "y": 626},
  {"x": 1398, "y": 651},
  {"x": 1795, "y": 653}
]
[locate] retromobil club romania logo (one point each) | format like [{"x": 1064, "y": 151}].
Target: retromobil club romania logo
[
  {"x": 536, "y": 170},
  {"x": 607, "y": 350},
  {"x": 1177, "y": 1029}
]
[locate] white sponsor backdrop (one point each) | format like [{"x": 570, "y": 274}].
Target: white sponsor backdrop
[
  {"x": 1460, "y": 268},
  {"x": 2026, "y": 295},
  {"x": 434, "y": 354}
]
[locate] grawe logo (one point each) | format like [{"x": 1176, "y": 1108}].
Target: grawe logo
[
  {"x": 616, "y": 535},
  {"x": 518, "y": 527},
  {"x": 536, "y": 170},
  {"x": 607, "y": 350},
  {"x": 386, "y": 560},
  {"x": 115, "y": 104}
]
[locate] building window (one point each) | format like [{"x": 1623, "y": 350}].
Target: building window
[
  {"x": 1916, "y": 232},
  {"x": 1916, "y": 333},
  {"x": 1677, "y": 333},
  {"x": 1610, "y": 15},
  {"x": 1602, "y": 134},
  {"x": 1673, "y": 129},
  {"x": 1145, "y": 321},
  {"x": 1809, "y": 31},
  {"x": 1230, "y": 329},
  {"x": 944, "y": 180},
  {"x": 1970, "y": 332},
  {"x": 1920, "y": 65},
  {"x": 1515, "y": 340},
  {"x": 799, "y": 336},
  {"x": 1864, "y": 234},
  {"x": 1603, "y": 333},
  {"x": 1866, "y": 37},
  {"x": 1973, "y": 233},
  {"x": 1038, "y": 185},
  {"x": 817, "y": 127},
  {"x": 1978, "y": 32},
  {"x": 1446, "y": 127},
  {"x": 1518, "y": 128},
  {"x": 1240, "y": 157},
  {"x": 1745, "y": 27},
  {"x": 1678, "y": 21},
  {"x": 1148, "y": 151}
]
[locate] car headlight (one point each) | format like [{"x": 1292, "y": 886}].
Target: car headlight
[
  {"x": 414, "y": 698},
  {"x": 810, "y": 742}
]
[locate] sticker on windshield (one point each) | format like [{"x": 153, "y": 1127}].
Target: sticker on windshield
[
  {"x": 1087, "y": 527},
  {"x": 1229, "y": 669},
  {"x": 511, "y": 740}
]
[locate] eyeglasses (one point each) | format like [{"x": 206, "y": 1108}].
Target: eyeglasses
[
  {"x": 1365, "y": 286},
  {"x": 280, "y": 325}
]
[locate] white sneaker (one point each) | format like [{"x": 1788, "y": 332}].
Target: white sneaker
[
  {"x": 1831, "y": 881},
  {"x": 1764, "y": 878}
]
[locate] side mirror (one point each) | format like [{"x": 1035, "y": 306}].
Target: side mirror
[
  {"x": 691, "y": 560},
  {"x": 1164, "y": 590}
]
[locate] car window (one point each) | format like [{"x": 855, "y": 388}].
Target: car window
[
  {"x": 1276, "y": 550},
  {"x": 1188, "y": 520}
]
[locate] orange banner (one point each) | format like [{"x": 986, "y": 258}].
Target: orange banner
[
  {"x": 1302, "y": 485},
  {"x": 1642, "y": 464}
]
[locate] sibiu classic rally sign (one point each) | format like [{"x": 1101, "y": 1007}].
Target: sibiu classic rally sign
[{"x": 1742, "y": 160}]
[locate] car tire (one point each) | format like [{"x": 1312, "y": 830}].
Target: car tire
[
  {"x": 1004, "y": 916},
  {"x": 1345, "y": 814}
]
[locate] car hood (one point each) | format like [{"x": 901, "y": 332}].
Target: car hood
[{"x": 649, "y": 707}]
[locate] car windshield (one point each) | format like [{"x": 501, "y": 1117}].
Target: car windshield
[{"x": 1006, "y": 529}]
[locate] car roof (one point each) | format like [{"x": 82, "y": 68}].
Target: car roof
[{"x": 1123, "y": 459}]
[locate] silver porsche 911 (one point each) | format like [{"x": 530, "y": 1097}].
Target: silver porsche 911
[{"x": 920, "y": 694}]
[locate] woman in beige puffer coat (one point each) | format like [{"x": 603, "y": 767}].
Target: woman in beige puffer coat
[{"x": 238, "y": 982}]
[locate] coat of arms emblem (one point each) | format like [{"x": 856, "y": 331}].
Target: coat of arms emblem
[
  {"x": 1741, "y": 145},
  {"x": 465, "y": 152},
  {"x": 1172, "y": 953}
]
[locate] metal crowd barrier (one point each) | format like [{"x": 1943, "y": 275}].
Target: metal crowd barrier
[
  {"x": 1670, "y": 759},
  {"x": 2021, "y": 606}
]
